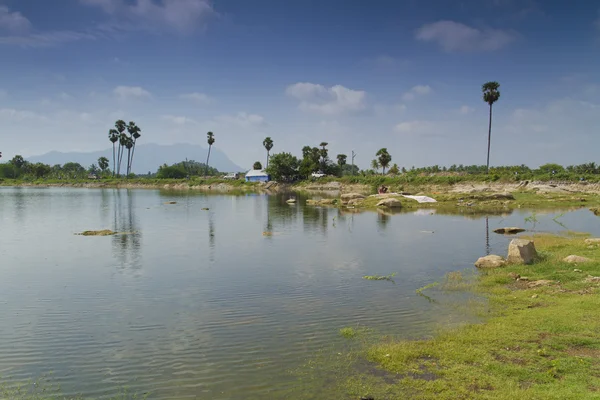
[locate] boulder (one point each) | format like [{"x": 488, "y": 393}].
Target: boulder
[
  {"x": 510, "y": 231},
  {"x": 595, "y": 210},
  {"x": 573, "y": 259},
  {"x": 346, "y": 197},
  {"x": 592, "y": 241},
  {"x": 390, "y": 203},
  {"x": 521, "y": 251},
  {"x": 491, "y": 261}
]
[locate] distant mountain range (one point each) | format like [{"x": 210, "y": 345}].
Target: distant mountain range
[{"x": 148, "y": 157}]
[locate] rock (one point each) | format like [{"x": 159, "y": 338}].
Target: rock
[
  {"x": 390, "y": 203},
  {"x": 577, "y": 270},
  {"x": 514, "y": 275},
  {"x": 266, "y": 233},
  {"x": 596, "y": 211},
  {"x": 205, "y": 209},
  {"x": 501, "y": 196},
  {"x": 328, "y": 202},
  {"x": 535, "y": 296},
  {"x": 521, "y": 251},
  {"x": 171, "y": 202},
  {"x": 291, "y": 201},
  {"x": 592, "y": 279},
  {"x": 523, "y": 278},
  {"x": 322, "y": 202},
  {"x": 592, "y": 241},
  {"x": 573, "y": 259},
  {"x": 511, "y": 230},
  {"x": 540, "y": 283},
  {"x": 491, "y": 261},
  {"x": 346, "y": 197}
]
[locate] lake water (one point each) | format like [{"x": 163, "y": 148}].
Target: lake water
[{"x": 199, "y": 303}]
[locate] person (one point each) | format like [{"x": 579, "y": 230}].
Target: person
[{"x": 382, "y": 189}]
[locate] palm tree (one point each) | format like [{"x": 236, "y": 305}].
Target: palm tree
[
  {"x": 122, "y": 143},
  {"x": 210, "y": 139},
  {"x": 268, "y": 143},
  {"x": 323, "y": 153},
  {"x": 134, "y": 132},
  {"x": 120, "y": 126},
  {"x": 375, "y": 165},
  {"x": 491, "y": 94},
  {"x": 341, "y": 159},
  {"x": 129, "y": 146},
  {"x": 103, "y": 163},
  {"x": 113, "y": 136},
  {"x": 384, "y": 158}
]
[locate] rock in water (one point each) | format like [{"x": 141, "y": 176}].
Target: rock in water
[
  {"x": 346, "y": 197},
  {"x": 355, "y": 202},
  {"x": 104, "y": 232},
  {"x": 491, "y": 261},
  {"x": 390, "y": 203},
  {"x": 521, "y": 251},
  {"x": 511, "y": 230},
  {"x": 573, "y": 259}
]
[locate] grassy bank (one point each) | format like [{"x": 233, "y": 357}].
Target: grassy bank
[{"x": 536, "y": 342}]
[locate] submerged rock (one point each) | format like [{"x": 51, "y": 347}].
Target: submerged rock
[
  {"x": 510, "y": 231},
  {"x": 390, "y": 203},
  {"x": 171, "y": 202},
  {"x": 521, "y": 251},
  {"x": 491, "y": 261},
  {"x": 104, "y": 232},
  {"x": 573, "y": 259}
]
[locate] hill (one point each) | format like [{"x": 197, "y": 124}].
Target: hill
[{"x": 148, "y": 157}]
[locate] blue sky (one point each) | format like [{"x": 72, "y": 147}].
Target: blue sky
[{"x": 359, "y": 75}]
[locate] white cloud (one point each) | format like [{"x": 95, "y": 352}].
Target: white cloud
[
  {"x": 466, "y": 110},
  {"x": 19, "y": 115},
  {"x": 128, "y": 92},
  {"x": 418, "y": 127},
  {"x": 46, "y": 39},
  {"x": 334, "y": 100},
  {"x": 178, "y": 120},
  {"x": 419, "y": 90},
  {"x": 183, "y": 16},
  {"x": 13, "y": 22},
  {"x": 241, "y": 119},
  {"x": 197, "y": 97},
  {"x": 453, "y": 36}
]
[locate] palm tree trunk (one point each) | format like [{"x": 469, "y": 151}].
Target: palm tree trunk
[
  {"x": 114, "y": 161},
  {"x": 132, "y": 153},
  {"x": 121, "y": 151},
  {"x": 267, "y": 159},
  {"x": 128, "y": 161},
  {"x": 487, "y": 168},
  {"x": 207, "y": 158}
]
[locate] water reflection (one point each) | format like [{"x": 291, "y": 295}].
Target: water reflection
[{"x": 126, "y": 246}]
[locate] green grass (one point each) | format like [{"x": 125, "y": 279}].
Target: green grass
[
  {"x": 534, "y": 343},
  {"x": 380, "y": 277}
]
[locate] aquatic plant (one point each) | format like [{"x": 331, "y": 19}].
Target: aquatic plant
[{"x": 380, "y": 277}]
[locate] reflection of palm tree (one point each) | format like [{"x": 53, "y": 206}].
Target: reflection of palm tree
[
  {"x": 126, "y": 246},
  {"x": 382, "y": 219},
  {"x": 211, "y": 237},
  {"x": 487, "y": 236}
]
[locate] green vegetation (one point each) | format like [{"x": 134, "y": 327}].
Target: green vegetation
[
  {"x": 257, "y": 165},
  {"x": 380, "y": 277},
  {"x": 539, "y": 339},
  {"x": 125, "y": 142},
  {"x": 348, "y": 333},
  {"x": 268, "y": 145}
]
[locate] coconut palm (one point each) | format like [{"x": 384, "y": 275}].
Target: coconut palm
[
  {"x": 113, "y": 136},
  {"x": 268, "y": 143},
  {"x": 375, "y": 165},
  {"x": 210, "y": 139},
  {"x": 134, "y": 132},
  {"x": 491, "y": 94}
]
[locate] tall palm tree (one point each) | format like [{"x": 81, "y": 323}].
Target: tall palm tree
[
  {"x": 491, "y": 94},
  {"x": 323, "y": 156},
  {"x": 122, "y": 143},
  {"x": 113, "y": 136},
  {"x": 134, "y": 132},
  {"x": 210, "y": 139},
  {"x": 120, "y": 127},
  {"x": 341, "y": 159},
  {"x": 129, "y": 146},
  {"x": 268, "y": 143}
]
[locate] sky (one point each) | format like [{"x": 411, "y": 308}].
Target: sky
[{"x": 360, "y": 75}]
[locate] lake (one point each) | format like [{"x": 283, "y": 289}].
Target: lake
[{"x": 195, "y": 303}]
